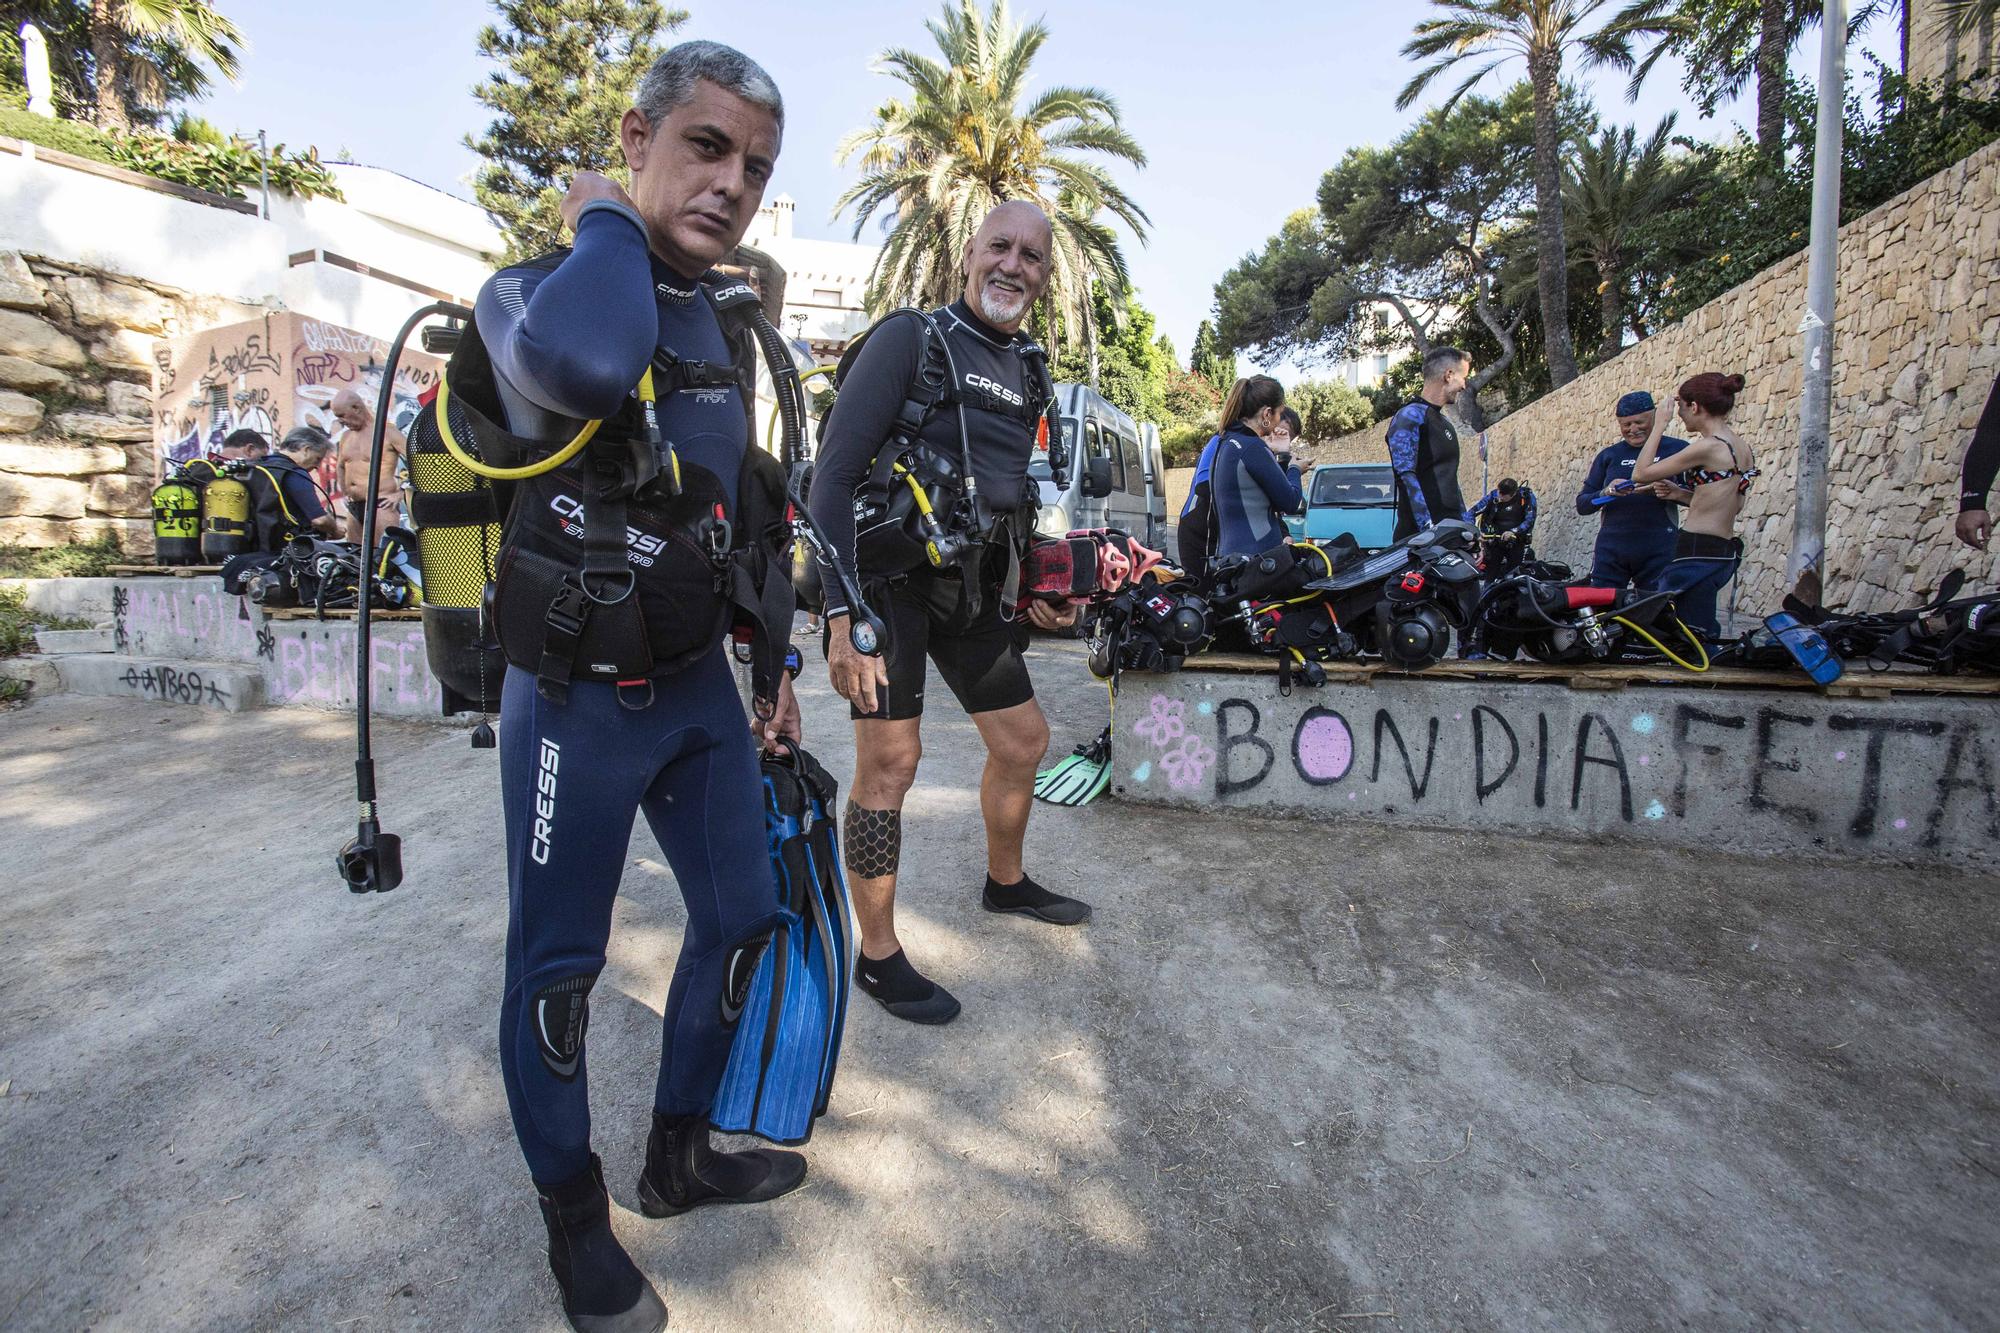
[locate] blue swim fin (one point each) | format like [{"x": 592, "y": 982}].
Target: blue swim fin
[{"x": 787, "y": 1045}]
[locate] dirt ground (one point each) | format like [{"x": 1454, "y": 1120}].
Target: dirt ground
[{"x": 1293, "y": 1075}]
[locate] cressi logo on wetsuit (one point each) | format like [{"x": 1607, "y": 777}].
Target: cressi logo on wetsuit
[
  {"x": 545, "y": 802},
  {"x": 975, "y": 380}
]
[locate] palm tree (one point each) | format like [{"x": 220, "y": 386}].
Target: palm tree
[
  {"x": 136, "y": 44},
  {"x": 1612, "y": 184},
  {"x": 962, "y": 140},
  {"x": 1542, "y": 32}
]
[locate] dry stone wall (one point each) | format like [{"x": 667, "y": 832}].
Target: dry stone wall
[
  {"x": 1916, "y": 350},
  {"x": 78, "y": 352}
]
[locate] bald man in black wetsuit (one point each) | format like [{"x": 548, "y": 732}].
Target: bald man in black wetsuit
[{"x": 928, "y": 614}]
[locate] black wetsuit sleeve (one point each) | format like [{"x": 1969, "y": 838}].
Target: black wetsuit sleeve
[
  {"x": 1982, "y": 456},
  {"x": 575, "y": 342},
  {"x": 1593, "y": 483},
  {"x": 871, "y": 393}
]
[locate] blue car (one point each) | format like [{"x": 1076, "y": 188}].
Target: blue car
[{"x": 1356, "y": 498}]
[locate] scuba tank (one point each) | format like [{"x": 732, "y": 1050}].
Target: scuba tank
[
  {"x": 176, "y": 509},
  {"x": 457, "y": 517},
  {"x": 225, "y": 519}
]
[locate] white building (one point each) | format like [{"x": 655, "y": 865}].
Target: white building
[{"x": 826, "y": 282}]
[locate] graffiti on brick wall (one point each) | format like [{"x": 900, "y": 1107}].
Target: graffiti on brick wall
[
  {"x": 1624, "y": 766},
  {"x": 271, "y": 375}
]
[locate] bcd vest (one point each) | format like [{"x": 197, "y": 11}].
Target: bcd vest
[
  {"x": 273, "y": 521},
  {"x": 623, "y": 563},
  {"x": 913, "y": 509}
]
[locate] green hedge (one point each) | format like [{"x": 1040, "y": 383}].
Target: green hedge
[{"x": 229, "y": 168}]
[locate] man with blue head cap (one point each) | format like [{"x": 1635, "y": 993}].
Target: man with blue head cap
[{"x": 1637, "y": 523}]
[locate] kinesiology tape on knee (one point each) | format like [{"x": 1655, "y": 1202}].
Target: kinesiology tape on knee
[{"x": 874, "y": 841}]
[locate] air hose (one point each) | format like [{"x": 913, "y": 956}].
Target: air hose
[
  {"x": 1700, "y": 649},
  {"x": 373, "y": 861},
  {"x": 480, "y": 468},
  {"x": 865, "y": 630}
]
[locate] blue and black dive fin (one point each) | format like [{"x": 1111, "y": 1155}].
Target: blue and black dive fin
[{"x": 781, "y": 1067}]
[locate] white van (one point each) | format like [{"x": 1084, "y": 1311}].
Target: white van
[{"x": 1111, "y": 474}]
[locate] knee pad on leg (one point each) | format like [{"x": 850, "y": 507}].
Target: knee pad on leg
[
  {"x": 874, "y": 841},
  {"x": 559, "y": 1013}
]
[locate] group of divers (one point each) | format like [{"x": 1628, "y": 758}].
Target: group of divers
[{"x": 618, "y": 697}]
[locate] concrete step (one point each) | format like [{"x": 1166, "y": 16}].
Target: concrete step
[
  {"x": 229, "y": 686},
  {"x": 75, "y": 640}
]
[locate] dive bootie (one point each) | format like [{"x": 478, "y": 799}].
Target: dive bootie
[
  {"x": 1028, "y": 898},
  {"x": 683, "y": 1171},
  {"x": 603, "y": 1290}
]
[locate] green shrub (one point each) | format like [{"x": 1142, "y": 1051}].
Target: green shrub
[
  {"x": 1181, "y": 445},
  {"x": 83, "y": 560},
  {"x": 207, "y": 160},
  {"x": 65, "y": 136},
  {"x": 17, "y": 630}
]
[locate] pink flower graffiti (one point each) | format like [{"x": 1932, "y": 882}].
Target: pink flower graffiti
[
  {"x": 1185, "y": 766},
  {"x": 1164, "y": 724},
  {"x": 1185, "y": 757}
]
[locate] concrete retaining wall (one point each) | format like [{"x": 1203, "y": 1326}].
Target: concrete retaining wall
[
  {"x": 1908, "y": 778},
  {"x": 306, "y": 663}
]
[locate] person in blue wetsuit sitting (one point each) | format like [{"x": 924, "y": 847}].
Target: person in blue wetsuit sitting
[
  {"x": 1423, "y": 445},
  {"x": 1637, "y": 523},
  {"x": 619, "y": 698},
  {"x": 1250, "y": 489}
]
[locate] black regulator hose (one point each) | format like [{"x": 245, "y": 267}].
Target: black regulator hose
[
  {"x": 373, "y": 861},
  {"x": 864, "y": 628}
]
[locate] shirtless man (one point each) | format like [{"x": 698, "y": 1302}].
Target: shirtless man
[{"x": 352, "y": 411}]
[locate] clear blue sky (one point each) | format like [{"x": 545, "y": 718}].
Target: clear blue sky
[{"x": 1241, "y": 105}]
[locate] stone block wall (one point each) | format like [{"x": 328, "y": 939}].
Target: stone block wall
[
  {"x": 1916, "y": 350},
  {"x": 77, "y": 360}
]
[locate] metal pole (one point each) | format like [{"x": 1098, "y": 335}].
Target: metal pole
[
  {"x": 264, "y": 172},
  {"x": 1816, "y": 397}
]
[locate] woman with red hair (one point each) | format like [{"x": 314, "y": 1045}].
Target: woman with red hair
[{"x": 1713, "y": 474}]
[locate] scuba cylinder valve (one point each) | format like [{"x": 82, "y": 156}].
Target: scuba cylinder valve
[{"x": 176, "y": 508}]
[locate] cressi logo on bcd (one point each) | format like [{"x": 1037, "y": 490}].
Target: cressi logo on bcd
[{"x": 640, "y": 547}]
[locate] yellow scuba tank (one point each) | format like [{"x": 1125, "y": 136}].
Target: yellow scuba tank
[
  {"x": 225, "y": 521},
  {"x": 457, "y": 518},
  {"x": 176, "y": 522}
]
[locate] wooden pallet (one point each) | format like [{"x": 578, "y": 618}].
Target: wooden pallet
[
  {"x": 349, "y": 613},
  {"x": 1857, "y": 683},
  {"x": 165, "y": 571}
]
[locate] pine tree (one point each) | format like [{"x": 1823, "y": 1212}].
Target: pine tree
[
  {"x": 1210, "y": 361},
  {"x": 568, "y": 72}
]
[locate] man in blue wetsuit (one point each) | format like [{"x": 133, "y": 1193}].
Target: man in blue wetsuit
[
  {"x": 1423, "y": 446},
  {"x": 570, "y": 337},
  {"x": 1637, "y": 524}
]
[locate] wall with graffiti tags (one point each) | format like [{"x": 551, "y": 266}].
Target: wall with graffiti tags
[
  {"x": 187, "y": 623},
  {"x": 272, "y": 374},
  {"x": 1905, "y": 778}
]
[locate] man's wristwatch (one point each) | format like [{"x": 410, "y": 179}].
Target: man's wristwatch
[{"x": 793, "y": 662}]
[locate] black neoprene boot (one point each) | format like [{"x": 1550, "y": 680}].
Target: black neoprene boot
[
  {"x": 603, "y": 1290},
  {"x": 683, "y": 1171}
]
